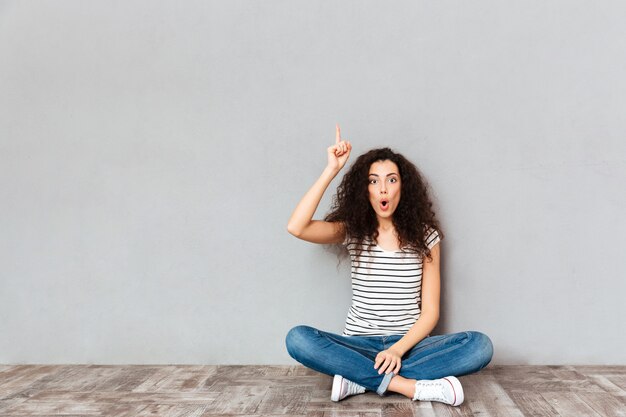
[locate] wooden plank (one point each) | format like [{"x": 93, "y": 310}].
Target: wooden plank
[
  {"x": 170, "y": 379},
  {"x": 568, "y": 404},
  {"x": 170, "y": 410},
  {"x": 76, "y": 378},
  {"x": 342, "y": 413},
  {"x": 155, "y": 380},
  {"x": 276, "y": 381},
  {"x": 237, "y": 400},
  {"x": 604, "y": 404},
  {"x": 486, "y": 396},
  {"x": 408, "y": 408},
  {"x": 186, "y": 397},
  {"x": 19, "y": 378},
  {"x": 67, "y": 410},
  {"x": 445, "y": 410},
  {"x": 10, "y": 403},
  {"x": 125, "y": 378},
  {"x": 607, "y": 384},
  {"x": 533, "y": 404},
  {"x": 285, "y": 400},
  {"x": 618, "y": 380},
  {"x": 606, "y": 370},
  {"x": 300, "y": 370},
  {"x": 34, "y": 407},
  {"x": 543, "y": 379}
]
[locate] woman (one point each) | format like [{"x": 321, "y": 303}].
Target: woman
[{"x": 382, "y": 214}]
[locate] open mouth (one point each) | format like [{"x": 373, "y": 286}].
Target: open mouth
[{"x": 384, "y": 204}]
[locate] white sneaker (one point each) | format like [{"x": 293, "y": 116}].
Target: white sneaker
[
  {"x": 446, "y": 390},
  {"x": 343, "y": 388}
]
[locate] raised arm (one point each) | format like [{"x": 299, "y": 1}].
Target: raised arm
[{"x": 301, "y": 224}]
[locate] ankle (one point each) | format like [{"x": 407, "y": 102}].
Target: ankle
[{"x": 402, "y": 386}]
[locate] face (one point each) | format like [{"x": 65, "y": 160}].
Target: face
[{"x": 384, "y": 187}]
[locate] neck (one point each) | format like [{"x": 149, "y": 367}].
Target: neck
[{"x": 385, "y": 224}]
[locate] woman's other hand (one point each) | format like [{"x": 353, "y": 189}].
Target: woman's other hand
[
  {"x": 339, "y": 152},
  {"x": 389, "y": 361}
]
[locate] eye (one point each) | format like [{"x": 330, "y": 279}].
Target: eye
[
  {"x": 394, "y": 179},
  {"x": 372, "y": 181}
]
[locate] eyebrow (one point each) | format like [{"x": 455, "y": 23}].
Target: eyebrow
[{"x": 393, "y": 173}]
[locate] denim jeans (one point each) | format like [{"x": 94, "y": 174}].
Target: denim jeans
[{"x": 353, "y": 357}]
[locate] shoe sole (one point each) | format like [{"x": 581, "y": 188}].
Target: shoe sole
[
  {"x": 457, "y": 388},
  {"x": 336, "y": 391}
]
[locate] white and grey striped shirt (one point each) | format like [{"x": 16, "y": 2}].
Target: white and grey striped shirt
[{"x": 386, "y": 289}]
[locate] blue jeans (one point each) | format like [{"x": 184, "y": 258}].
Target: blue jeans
[{"x": 353, "y": 357}]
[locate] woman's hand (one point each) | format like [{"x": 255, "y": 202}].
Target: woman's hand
[
  {"x": 338, "y": 153},
  {"x": 388, "y": 360}
]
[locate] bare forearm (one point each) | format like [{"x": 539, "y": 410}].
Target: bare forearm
[
  {"x": 422, "y": 328},
  {"x": 305, "y": 209}
]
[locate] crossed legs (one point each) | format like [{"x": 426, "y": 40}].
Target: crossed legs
[{"x": 353, "y": 357}]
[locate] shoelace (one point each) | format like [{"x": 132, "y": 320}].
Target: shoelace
[{"x": 429, "y": 391}]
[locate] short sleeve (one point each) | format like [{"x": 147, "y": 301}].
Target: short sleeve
[{"x": 432, "y": 238}]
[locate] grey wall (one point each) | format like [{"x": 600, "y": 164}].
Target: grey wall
[{"x": 152, "y": 152}]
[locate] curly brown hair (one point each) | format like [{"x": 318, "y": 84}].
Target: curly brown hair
[{"x": 412, "y": 219}]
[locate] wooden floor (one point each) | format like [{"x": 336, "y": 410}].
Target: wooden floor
[{"x": 95, "y": 390}]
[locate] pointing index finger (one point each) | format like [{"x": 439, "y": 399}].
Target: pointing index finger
[{"x": 338, "y": 134}]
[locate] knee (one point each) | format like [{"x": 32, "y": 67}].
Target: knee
[
  {"x": 296, "y": 340},
  {"x": 483, "y": 348}
]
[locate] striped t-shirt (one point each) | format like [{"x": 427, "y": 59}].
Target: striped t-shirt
[{"x": 386, "y": 289}]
